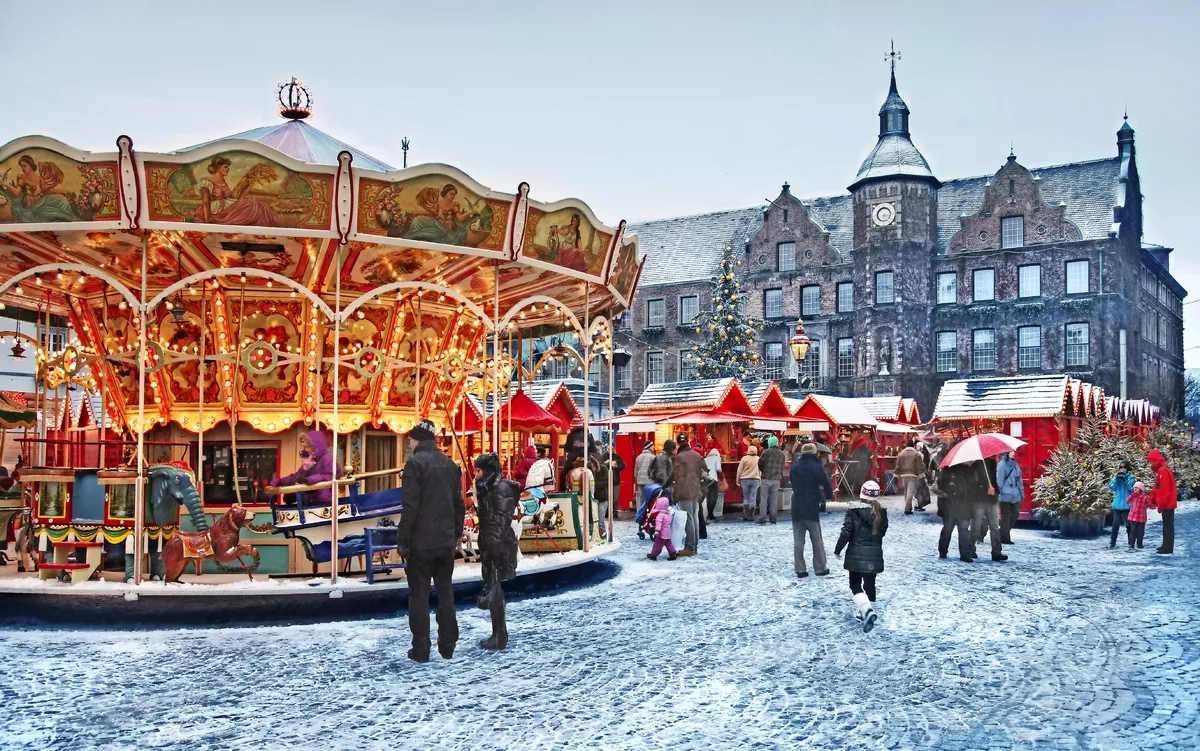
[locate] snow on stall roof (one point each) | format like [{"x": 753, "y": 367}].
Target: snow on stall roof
[
  {"x": 882, "y": 407},
  {"x": 661, "y": 397},
  {"x": 1032, "y": 396},
  {"x": 844, "y": 410}
]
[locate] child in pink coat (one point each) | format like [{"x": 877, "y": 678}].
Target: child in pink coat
[
  {"x": 662, "y": 530},
  {"x": 1139, "y": 501}
]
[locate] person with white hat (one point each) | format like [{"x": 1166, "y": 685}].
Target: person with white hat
[{"x": 862, "y": 534}]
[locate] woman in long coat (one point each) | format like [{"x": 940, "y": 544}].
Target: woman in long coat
[{"x": 495, "y": 503}]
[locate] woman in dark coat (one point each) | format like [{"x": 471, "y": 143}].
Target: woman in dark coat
[
  {"x": 495, "y": 502},
  {"x": 863, "y": 531}
]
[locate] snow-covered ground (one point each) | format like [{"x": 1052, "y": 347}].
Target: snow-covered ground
[{"x": 1067, "y": 646}]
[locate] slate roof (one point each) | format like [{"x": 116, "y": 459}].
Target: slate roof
[
  {"x": 688, "y": 248},
  {"x": 894, "y": 154},
  {"x": 1033, "y": 396}
]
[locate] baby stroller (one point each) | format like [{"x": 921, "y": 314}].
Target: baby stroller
[{"x": 653, "y": 493}]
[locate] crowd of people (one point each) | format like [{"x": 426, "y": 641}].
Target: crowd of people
[{"x": 680, "y": 490}]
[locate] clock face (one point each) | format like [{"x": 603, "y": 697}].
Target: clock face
[{"x": 883, "y": 214}]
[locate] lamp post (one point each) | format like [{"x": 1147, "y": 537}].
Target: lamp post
[{"x": 799, "y": 345}]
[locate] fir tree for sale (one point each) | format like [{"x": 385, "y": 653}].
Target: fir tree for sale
[{"x": 728, "y": 347}]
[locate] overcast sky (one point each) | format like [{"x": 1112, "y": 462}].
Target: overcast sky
[{"x": 642, "y": 109}]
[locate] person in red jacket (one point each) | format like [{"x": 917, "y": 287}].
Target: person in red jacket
[{"x": 1164, "y": 497}]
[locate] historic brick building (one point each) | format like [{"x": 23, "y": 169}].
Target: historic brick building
[{"x": 908, "y": 280}]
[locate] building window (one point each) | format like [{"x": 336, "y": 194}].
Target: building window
[
  {"x": 773, "y": 365},
  {"x": 743, "y": 302},
  {"x": 845, "y": 358},
  {"x": 689, "y": 309},
  {"x": 1029, "y": 281},
  {"x": 594, "y": 377},
  {"x": 983, "y": 284},
  {"x": 656, "y": 313},
  {"x": 1029, "y": 347},
  {"x": 560, "y": 368},
  {"x": 1012, "y": 232},
  {"x": 621, "y": 320},
  {"x": 884, "y": 293},
  {"x": 1164, "y": 341},
  {"x": 845, "y": 294},
  {"x": 687, "y": 365},
  {"x": 983, "y": 349},
  {"x": 810, "y": 368},
  {"x": 1078, "y": 346},
  {"x": 773, "y": 303},
  {"x": 654, "y": 368},
  {"x": 785, "y": 256},
  {"x": 947, "y": 288},
  {"x": 810, "y": 300},
  {"x": 1077, "y": 278},
  {"x": 946, "y": 359},
  {"x": 624, "y": 377}
]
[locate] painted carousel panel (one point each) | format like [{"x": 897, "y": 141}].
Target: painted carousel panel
[
  {"x": 565, "y": 238},
  {"x": 238, "y": 188},
  {"x": 625, "y": 270},
  {"x": 39, "y": 186},
  {"x": 434, "y": 209}
]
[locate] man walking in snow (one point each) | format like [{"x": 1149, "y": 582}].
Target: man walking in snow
[
  {"x": 690, "y": 471},
  {"x": 770, "y": 464}
]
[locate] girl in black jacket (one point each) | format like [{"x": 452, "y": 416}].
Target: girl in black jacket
[{"x": 863, "y": 531}]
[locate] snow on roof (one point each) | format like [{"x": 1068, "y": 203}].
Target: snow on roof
[
  {"x": 663, "y": 397},
  {"x": 1032, "y": 396},
  {"x": 843, "y": 410},
  {"x": 883, "y": 407}
]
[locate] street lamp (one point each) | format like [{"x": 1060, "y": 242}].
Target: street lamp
[{"x": 799, "y": 343}]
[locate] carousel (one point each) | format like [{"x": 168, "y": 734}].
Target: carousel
[{"x": 240, "y": 308}]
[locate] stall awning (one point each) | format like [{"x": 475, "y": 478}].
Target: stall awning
[
  {"x": 807, "y": 427},
  {"x": 894, "y": 427},
  {"x": 524, "y": 414}
]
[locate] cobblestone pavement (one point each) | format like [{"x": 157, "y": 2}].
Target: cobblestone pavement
[{"x": 1067, "y": 646}]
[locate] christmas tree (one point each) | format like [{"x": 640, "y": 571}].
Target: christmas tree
[{"x": 728, "y": 347}]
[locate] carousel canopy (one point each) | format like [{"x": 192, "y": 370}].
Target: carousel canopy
[
  {"x": 15, "y": 411},
  {"x": 308, "y": 272}
]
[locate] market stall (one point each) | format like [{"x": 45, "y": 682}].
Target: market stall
[
  {"x": 850, "y": 437},
  {"x": 1040, "y": 410}
]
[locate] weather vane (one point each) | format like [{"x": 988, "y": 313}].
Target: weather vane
[
  {"x": 892, "y": 56},
  {"x": 404, "y": 148},
  {"x": 295, "y": 103}
]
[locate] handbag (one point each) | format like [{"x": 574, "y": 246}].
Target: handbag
[{"x": 722, "y": 485}]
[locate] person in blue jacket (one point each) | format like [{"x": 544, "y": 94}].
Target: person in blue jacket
[
  {"x": 1121, "y": 485},
  {"x": 1011, "y": 494}
]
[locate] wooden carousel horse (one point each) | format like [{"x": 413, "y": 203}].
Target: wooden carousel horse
[{"x": 221, "y": 542}]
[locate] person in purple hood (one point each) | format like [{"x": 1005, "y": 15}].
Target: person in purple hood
[{"x": 317, "y": 466}]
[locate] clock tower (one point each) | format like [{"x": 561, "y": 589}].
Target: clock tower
[
  {"x": 895, "y": 239},
  {"x": 895, "y": 193}
]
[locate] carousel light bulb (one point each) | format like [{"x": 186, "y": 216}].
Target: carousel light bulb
[
  {"x": 270, "y": 283},
  {"x": 37, "y": 278}
]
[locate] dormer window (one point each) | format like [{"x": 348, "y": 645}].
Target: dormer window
[
  {"x": 1012, "y": 232},
  {"x": 785, "y": 256}
]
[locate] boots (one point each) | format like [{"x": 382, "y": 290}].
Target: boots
[
  {"x": 499, "y": 638},
  {"x": 866, "y": 611}
]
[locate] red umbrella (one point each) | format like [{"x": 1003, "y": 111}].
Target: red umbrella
[
  {"x": 981, "y": 447},
  {"x": 526, "y": 416}
]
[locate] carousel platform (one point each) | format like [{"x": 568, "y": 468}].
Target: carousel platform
[{"x": 219, "y": 598}]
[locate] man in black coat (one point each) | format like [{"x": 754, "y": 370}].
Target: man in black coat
[
  {"x": 431, "y": 525},
  {"x": 957, "y": 486},
  {"x": 811, "y": 489},
  {"x": 604, "y": 493},
  {"x": 495, "y": 502}
]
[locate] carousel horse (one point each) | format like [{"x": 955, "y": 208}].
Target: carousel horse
[
  {"x": 171, "y": 485},
  {"x": 221, "y": 542}
]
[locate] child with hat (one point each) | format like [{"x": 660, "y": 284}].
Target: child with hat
[{"x": 862, "y": 533}]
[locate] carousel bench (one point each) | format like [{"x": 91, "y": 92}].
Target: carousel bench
[
  {"x": 79, "y": 572},
  {"x": 381, "y": 540}
]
